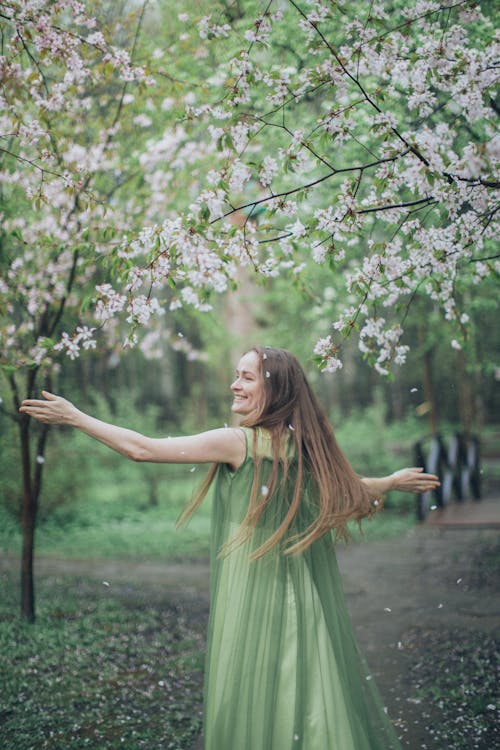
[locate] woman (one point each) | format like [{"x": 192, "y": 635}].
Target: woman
[{"x": 283, "y": 668}]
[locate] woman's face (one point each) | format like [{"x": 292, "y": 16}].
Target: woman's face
[{"x": 248, "y": 388}]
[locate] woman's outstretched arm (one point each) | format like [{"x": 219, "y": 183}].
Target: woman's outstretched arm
[
  {"x": 225, "y": 445},
  {"x": 405, "y": 480}
]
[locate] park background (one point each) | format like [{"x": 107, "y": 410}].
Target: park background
[{"x": 116, "y": 151}]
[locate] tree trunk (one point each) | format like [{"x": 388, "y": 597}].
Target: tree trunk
[
  {"x": 429, "y": 391},
  {"x": 32, "y": 485},
  {"x": 153, "y": 491},
  {"x": 465, "y": 395},
  {"x": 29, "y": 509}
]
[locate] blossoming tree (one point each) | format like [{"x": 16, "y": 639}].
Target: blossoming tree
[
  {"x": 73, "y": 131},
  {"x": 361, "y": 136},
  {"x": 371, "y": 144}
]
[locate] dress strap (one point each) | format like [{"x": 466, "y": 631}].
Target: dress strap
[
  {"x": 248, "y": 433},
  {"x": 258, "y": 442}
]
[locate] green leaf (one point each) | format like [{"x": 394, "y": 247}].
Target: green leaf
[{"x": 46, "y": 342}]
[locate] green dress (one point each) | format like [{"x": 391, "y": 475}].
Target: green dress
[{"x": 283, "y": 668}]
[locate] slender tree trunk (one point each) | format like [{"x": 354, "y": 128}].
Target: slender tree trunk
[
  {"x": 32, "y": 485},
  {"x": 29, "y": 509}
]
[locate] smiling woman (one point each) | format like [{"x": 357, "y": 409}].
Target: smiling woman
[{"x": 283, "y": 668}]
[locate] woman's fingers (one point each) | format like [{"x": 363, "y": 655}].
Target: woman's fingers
[
  {"x": 50, "y": 409},
  {"x": 428, "y": 477},
  {"x": 415, "y": 480},
  {"x": 34, "y": 410}
]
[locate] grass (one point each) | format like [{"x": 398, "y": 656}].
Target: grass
[
  {"x": 456, "y": 675},
  {"x": 150, "y": 535},
  {"x": 102, "y": 668},
  {"x": 111, "y": 516}
]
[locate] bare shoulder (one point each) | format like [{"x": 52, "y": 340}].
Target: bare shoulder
[
  {"x": 225, "y": 435},
  {"x": 226, "y": 445},
  {"x": 230, "y": 443}
]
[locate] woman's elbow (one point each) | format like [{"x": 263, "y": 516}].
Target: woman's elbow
[{"x": 137, "y": 453}]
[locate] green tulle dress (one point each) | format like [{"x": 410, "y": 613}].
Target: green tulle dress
[{"x": 283, "y": 668}]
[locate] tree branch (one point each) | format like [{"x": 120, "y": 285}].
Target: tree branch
[
  {"x": 429, "y": 201},
  {"x": 481, "y": 260},
  {"x": 357, "y": 82},
  {"x": 359, "y": 168}
]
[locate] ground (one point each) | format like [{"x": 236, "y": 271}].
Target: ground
[
  {"x": 423, "y": 608},
  {"x": 414, "y": 602}
]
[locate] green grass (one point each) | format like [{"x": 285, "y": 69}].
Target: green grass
[
  {"x": 112, "y": 518},
  {"x": 101, "y": 668},
  {"x": 151, "y": 533},
  {"x": 110, "y": 514}
]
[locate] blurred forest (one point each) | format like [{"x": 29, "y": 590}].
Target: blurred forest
[
  {"x": 94, "y": 502},
  {"x": 180, "y": 383}
]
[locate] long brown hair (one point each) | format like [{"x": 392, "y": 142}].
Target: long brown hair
[{"x": 289, "y": 410}]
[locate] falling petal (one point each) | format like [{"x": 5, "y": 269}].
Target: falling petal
[
  {"x": 387, "y": 609},
  {"x": 433, "y": 507},
  {"x": 193, "y": 469},
  {"x": 105, "y": 583},
  {"x": 264, "y": 491},
  {"x": 268, "y": 374},
  {"x": 413, "y": 390}
]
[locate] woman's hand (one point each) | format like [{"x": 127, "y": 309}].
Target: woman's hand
[
  {"x": 52, "y": 410},
  {"x": 413, "y": 480}
]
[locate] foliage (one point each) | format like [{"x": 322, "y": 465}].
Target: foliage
[
  {"x": 107, "y": 665},
  {"x": 381, "y": 119}
]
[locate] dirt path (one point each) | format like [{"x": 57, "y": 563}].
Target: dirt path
[{"x": 428, "y": 578}]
